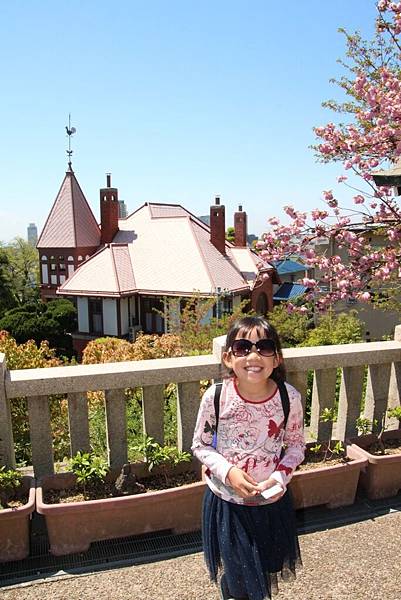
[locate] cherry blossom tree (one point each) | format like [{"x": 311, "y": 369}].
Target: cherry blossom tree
[{"x": 367, "y": 140}]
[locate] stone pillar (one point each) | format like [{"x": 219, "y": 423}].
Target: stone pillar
[
  {"x": 299, "y": 379},
  {"x": 349, "y": 408},
  {"x": 394, "y": 398},
  {"x": 377, "y": 392},
  {"x": 41, "y": 435},
  {"x": 188, "y": 400},
  {"x": 323, "y": 395},
  {"x": 116, "y": 428},
  {"x": 78, "y": 422},
  {"x": 7, "y": 456},
  {"x": 153, "y": 412}
]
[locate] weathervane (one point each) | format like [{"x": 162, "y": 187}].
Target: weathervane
[{"x": 70, "y": 131}]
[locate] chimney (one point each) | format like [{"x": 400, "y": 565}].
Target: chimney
[
  {"x": 218, "y": 226},
  {"x": 240, "y": 228},
  {"x": 108, "y": 212}
]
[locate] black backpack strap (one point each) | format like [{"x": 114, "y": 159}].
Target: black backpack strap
[
  {"x": 285, "y": 401},
  {"x": 217, "y": 394}
]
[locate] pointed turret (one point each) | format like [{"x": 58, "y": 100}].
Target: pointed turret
[{"x": 69, "y": 236}]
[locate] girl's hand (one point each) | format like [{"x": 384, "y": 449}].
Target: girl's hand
[
  {"x": 268, "y": 483},
  {"x": 242, "y": 483}
]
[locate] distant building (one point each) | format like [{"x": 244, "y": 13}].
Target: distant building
[
  {"x": 124, "y": 273},
  {"x": 122, "y": 210},
  {"x": 32, "y": 234}
]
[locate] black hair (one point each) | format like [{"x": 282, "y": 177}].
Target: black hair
[{"x": 246, "y": 325}]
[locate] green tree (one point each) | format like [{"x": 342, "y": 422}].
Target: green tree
[
  {"x": 230, "y": 234},
  {"x": 343, "y": 328},
  {"x": 292, "y": 327},
  {"x": 52, "y": 321},
  {"x": 7, "y": 296},
  {"x": 24, "y": 270}
]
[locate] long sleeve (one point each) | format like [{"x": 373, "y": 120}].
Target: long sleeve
[
  {"x": 293, "y": 440},
  {"x": 203, "y": 436}
]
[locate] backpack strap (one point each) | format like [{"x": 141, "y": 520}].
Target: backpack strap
[
  {"x": 217, "y": 394},
  {"x": 285, "y": 401}
]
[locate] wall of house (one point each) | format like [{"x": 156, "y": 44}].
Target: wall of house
[
  {"x": 124, "y": 316},
  {"x": 83, "y": 314},
  {"x": 110, "y": 316}
]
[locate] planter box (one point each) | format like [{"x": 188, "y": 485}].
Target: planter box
[
  {"x": 14, "y": 526},
  {"x": 73, "y": 526},
  {"x": 333, "y": 486},
  {"x": 382, "y": 477}
]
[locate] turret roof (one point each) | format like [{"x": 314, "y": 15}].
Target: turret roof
[{"x": 71, "y": 223}]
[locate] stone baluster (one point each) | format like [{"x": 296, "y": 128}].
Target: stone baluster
[
  {"x": 41, "y": 435},
  {"x": 188, "y": 401},
  {"x": 323, "y": 396},
  {"x": 377, "y": 392},
  {"x": 78, "y": 422},
  {"x": 7, "y": 456},
  {"x": 299, "y": 379},
  {"x": 116, "y": 428},
  {"x": 153, "y": 412},
  {"x": 394, "y": 397},
  {"x": 349, "y": 407}
]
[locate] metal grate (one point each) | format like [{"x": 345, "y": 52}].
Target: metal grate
[{"x": 164, "y": 544}]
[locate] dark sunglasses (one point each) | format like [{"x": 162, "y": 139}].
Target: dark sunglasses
[{"x": 244, "y": 347}]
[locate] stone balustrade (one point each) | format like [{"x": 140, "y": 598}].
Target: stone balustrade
[{"x": 382, "y": 360}]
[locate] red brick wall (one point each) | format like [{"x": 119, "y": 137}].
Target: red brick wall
[
  {"x": 240, "y": 228},
  {"x": 218, "y": 227},
  {"x": 108, "y": 214}
]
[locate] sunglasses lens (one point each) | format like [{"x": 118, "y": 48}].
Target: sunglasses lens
[
  {"x": 241, "y": 347},
  {"x": 266, "y": 347}
]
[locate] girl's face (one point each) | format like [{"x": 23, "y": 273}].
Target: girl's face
[{"x": 253, "y": 367}]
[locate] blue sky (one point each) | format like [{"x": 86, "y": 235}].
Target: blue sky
[{"x": 179, "y": 100}]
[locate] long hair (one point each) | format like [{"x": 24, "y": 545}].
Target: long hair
[{"x": 245, "y": 325}]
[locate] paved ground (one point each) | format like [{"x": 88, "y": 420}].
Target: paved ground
[{"x": 361, "y": 561}]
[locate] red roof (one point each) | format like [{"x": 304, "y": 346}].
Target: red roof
[{"x": 70, "y": 223}]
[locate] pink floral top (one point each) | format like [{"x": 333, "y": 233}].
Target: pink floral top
[{"x": 250, "y": 436}]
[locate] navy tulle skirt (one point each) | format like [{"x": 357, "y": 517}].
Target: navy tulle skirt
[{"x": 253, "y": 544}]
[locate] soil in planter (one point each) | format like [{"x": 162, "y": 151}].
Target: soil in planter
[
  {"x": 16, "y": 501},
  {"x": 107, "y": 490},
  {"x": 314, "y": 460},
  {"x": 390, "y": 447}
]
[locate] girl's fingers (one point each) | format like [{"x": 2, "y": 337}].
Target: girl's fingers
[{"x": 250, "y": 479}]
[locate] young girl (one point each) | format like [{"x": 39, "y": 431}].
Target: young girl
[{"x": 254, "y": 538}]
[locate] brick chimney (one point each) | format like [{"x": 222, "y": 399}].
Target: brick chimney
[
  {"x": 240, "y": 228},
  {"x": 218, "y": 226},
  {"x": 108, "y": 212}
]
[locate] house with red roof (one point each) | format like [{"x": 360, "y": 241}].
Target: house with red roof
[{"x": 122, "y": 274}]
